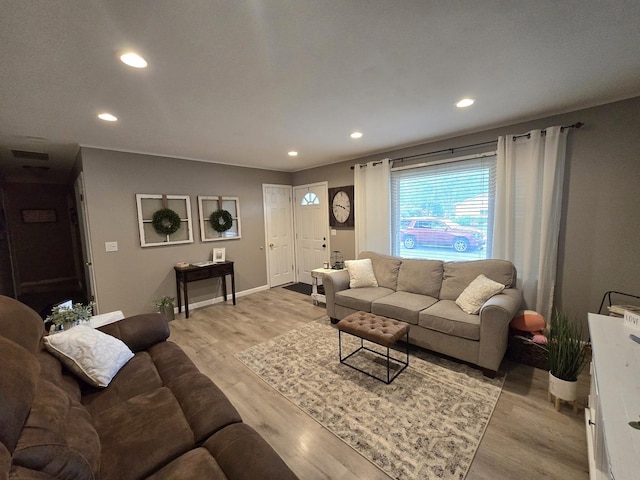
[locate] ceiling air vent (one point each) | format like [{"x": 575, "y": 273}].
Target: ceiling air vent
[{"x": 25, "y": 155}]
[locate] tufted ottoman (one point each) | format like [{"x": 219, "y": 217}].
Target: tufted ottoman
[{"x": 377, "y": 329}]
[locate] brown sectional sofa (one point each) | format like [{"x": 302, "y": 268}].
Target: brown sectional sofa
[
  {"x": 159, "y": 418},
  {"x": 423, "y": 294}
]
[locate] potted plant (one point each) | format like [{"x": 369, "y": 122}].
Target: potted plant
[
  {"x": 567, "y": 358},
  {"x": 166, "y": 306},
  {"x": 63, "y": 317}
]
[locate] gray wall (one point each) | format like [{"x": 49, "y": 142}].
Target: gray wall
[
  {"x": 599, "y": 248},
  {"x": 131, "y": 278}
]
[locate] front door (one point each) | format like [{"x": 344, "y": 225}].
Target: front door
[{"x": 312, "y": 228}]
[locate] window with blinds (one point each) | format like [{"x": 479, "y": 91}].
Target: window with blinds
[{"x": 444, "y": 210}]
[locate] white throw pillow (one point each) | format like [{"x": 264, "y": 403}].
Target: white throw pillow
[
  {"x": 91, "y": 354},
  {"x": 361, "y": 273},
  {"x": 478, "y": 292}
]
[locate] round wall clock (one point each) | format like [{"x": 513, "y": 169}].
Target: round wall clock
[{"x": 341, "y": 207}]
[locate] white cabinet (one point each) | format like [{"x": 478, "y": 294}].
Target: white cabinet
[{"x": 614, "y": 401}]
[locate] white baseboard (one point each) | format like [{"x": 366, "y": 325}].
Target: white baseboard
[{"x": 206, "y": 303}]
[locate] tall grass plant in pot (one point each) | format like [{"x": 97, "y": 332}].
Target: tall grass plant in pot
[{"x": 567, "y": 357}]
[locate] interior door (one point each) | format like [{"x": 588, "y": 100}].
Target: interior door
[
  {"x": 279, "y": 233},
  {"x": 87, "y": 256},
  {"x": 312, "y": 228}
]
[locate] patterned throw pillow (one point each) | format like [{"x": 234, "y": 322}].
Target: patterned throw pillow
[
  {"x": 361, "y": 273},
  {"x": 92, "y": 355},
  {"x": 479, "y": 291}
]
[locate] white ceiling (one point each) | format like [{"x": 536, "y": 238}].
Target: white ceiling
[{"x": 243, "y": 82}]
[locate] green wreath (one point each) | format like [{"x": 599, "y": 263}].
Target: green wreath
[
  {"x": 165, "y": 221},
  {"x": 221, "y": 220}
]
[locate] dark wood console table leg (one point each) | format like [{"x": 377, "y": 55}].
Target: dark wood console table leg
[
  {"x": 233, "y": 287},
  {"x": 178, "y": 294},
  {"x": 224, "y": 287},
  {"x": 186, "y": 298}
]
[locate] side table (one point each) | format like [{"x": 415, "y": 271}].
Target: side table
[{"x": 317, "y": 274}]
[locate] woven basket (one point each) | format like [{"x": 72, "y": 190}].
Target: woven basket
[{"x": 524, "y": 352}]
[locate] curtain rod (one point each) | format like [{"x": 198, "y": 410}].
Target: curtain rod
[
  {"x": 562, "y": 128},
  {"x": 452, "y": 150}
]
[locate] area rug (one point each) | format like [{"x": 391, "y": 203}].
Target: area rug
[{"x": 426, "y": 424}]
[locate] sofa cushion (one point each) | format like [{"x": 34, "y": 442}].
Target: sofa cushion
[
  {"x": 139, "y": 435},
  {"x": 403, "y": 306},
  {"x": 92, "y": 355},
  {"x": 196, "y": 463},
  {"x": 477, "y": 292},
  {"x": 21, "y": 324},
  {"x": 458, "y": 275},
  {"x": 446, "y": 317},
  {"x": 138, "y": 376},
  {"x": 52, "y": 370},
  {"x": 243, "y": 454},
  {"x": 18, "y": 382},
  {"x": 58, "y": 438},
  {"x": 5, "y": 462},
  {"x": 203, "y": 404},
  {"x": 385, "y": 268},
  {"x": 423, "y": 277},
  {"x": 361, "y": 273},
  {"x": 361, "y": 298}
]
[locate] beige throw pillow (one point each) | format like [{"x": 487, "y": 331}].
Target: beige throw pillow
[
  {"x": 92, "y": 355},
  {"x": 361, "y": 273},
  {"x": 479, "y": 291}
]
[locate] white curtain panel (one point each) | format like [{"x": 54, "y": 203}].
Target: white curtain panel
[
  {"x": 372, "y": 199},
  {"x": 530, "y": 175}
]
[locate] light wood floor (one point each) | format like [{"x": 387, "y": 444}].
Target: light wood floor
[{"x": 526, "y": 438}]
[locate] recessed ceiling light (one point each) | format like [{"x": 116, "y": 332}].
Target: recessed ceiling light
[
  {"x": 356, "y": 135},
  {"x": 293, "y": 153},
  {"x": 133, "y": 60},
  {"x": 465, "y": 102},
  {"x": 107, "y": 117}
]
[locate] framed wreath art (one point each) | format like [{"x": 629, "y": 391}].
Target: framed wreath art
[
  {"x": 164, "y": 219},
  {"x": 219, "y": 218}
]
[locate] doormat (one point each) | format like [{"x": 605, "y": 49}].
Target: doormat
[{"x": 303, "y": 288}]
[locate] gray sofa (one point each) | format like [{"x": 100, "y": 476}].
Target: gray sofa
[{"x": 423, "y": 293}]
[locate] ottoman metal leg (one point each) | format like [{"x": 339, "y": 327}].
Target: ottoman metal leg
[{"x": 388, "y": 357}]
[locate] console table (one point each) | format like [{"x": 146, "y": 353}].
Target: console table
[
  {"x": 193, "y": 273},
  {"x": 614, "y": 401}
]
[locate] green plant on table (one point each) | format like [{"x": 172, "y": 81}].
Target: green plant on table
[
  {"x": 567, "y": 351},
  {"x": 165, "y": 302},
  {"x": 77, "y": 313}
]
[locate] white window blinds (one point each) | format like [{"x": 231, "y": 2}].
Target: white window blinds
[{"x": 444, "y": 210}]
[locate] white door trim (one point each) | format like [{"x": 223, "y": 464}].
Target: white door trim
[{"x": 85, "y": 239}]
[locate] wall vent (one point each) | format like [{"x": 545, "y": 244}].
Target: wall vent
[{"x": 26, "y": 155}]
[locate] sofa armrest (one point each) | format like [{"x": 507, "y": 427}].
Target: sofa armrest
[
  {"x": 139, "y": 332},
  {"x": 495, "y": 316},
  {"x": 333, "y": 283},
  {"x": 509, "y": 301}
]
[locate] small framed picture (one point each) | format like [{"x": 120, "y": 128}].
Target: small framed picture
[{"x": 218, "y": 255}]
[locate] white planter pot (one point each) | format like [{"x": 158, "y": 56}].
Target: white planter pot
[{"x": 563, "y": 389}]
